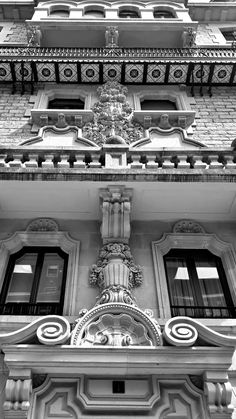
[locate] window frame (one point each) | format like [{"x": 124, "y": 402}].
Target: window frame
[
  {"x": 194, "y": 241},
  {"x": 188, "y": 255},
  {"x": 41, "y": 252},
  {"x": 52, "y": 239}
]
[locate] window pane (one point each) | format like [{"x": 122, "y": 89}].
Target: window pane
[
  {"x": 22, "y": 279},
  {"x": 181, "y": 292},
  {"x": 51, "y": 278},
  {"x": 210, "y": 285}
]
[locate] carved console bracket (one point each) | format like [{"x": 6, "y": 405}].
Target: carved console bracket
[
  {"x": 116, "y": 206},
  {"x": 218, "y": 392},
  {"x": 17, "y": 394}
]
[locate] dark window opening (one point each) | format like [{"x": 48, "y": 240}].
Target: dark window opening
[
  {"x": 35, "y": 281},
  {"x": 230, "y": 35},
  {"x": 197, "y": 284},
  {"x": 128, "y": 14},
  {"x": 158, "y": 105},
  {"x": 118, "y": 387},
  {"x": 66, "y": 104},
  {"x": 60, "y": 13},
  {"x": 163, "y": 14},
  {"x": 94, "y": 14}
]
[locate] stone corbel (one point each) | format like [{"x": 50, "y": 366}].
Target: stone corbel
[
  {"x": 218, "y": 392},
  {"x": 116, "y": 207},
  {"x": 17, "y": 394}
]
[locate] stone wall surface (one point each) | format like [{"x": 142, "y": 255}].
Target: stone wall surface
[{"x": 215, "y": 116}]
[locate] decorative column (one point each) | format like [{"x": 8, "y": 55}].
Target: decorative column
[{"x": 17, "y": 394}]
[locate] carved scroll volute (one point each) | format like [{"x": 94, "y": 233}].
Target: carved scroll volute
[{"x": 18, "y": 394}]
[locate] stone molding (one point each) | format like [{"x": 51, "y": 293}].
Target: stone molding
[
  {"x": 18, "y": 393},
  {"x": 218, "y": 392},
  {"x": 116, "y": 208}
]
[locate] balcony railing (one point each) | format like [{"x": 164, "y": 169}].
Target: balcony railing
[
  {"x": 27, "y": 309},
  {"x": 204, "y": 312},
  {"x": 29, "y": 159},
  {"x": 129, "y": 53}
]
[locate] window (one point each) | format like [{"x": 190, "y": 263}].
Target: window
[
  {"x": 94, "y": 14},
  {"x": 59, "y": 13},
  {"x": 197, "y": 284},
  {"x": 128, "y": 14},
  {"x": 34, "y": 282},
  {"x": 163, "y": 14},
  {"x": 65, "y": 103},
  {"x": 229, "y": 34},
  {"x": 156, "y": 104}
]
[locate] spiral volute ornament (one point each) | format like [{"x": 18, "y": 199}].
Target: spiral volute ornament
[
  {"x": 180, "y": 333},
  {"x": 54, "y": 332}
]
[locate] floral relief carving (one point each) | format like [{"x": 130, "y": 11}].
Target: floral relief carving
[
  {"x": 112, "y": 117},
  {"x": 42, "y": 224},
  {"x": 188, "y": 226}
]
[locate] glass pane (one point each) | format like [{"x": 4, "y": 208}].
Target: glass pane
[
  {"x": 181, "y": 292},
  {"x": 210, "y": 285},
  {"x": 51, "y": 279},
  {"x": 22, "y": 279}
]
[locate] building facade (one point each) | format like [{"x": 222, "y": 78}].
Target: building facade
[{"x": 117, "y": 209}]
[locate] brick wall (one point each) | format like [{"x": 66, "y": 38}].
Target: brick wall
[
  {"x": 14, "y": 126},
  {"x": 216, "y": 117}
]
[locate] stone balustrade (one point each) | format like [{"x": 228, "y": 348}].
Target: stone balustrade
[{"x": 30, "y": 159}]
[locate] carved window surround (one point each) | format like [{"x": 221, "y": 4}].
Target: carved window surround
[
  {"x": 190, "y": 241},
  {"x": 182, "y": 117},
  {"x": 46, "y": 238},
  {"x": 41, "y": 115}
]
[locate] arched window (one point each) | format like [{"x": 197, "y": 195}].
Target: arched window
[
  {"x": 34, "y": 283},
  {"x": 128, "y": 14},
  {"x": 60, "y": 12},
  {"x": 158, "y": 105},
  {"x": 94, "y": 14},
  {"x": 163, "y": 14},
  {"x": 197, "y": 284}
]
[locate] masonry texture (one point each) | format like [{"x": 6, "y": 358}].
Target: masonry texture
[{"x": 215, "y": 116}]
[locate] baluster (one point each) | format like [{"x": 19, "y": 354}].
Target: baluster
[
  {"x": 95, "y": 164},
  {"x": 215, "y": 164},
  {"x": 198, "y": 163},
  {"x": 230, "y": 162},
  {"x": 33, "y": 161},
  {"x": 136, "y": 163},
  {"x": 79, "y": 163},
  {"x": 151, "y": 164},
  {"x": 167, "y": 164},
  {"x": 2, "y": 160},
  {"x": 16, "y": 161},
  {"x": 64, "y": 164},
  {"x": 48, "y": 163},
  {"x": 182, "y": 162}
]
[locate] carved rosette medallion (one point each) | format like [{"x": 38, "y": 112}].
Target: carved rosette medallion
[
  {"x": 115, "y": 274},
  {"x": 112, "y": 122}
]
